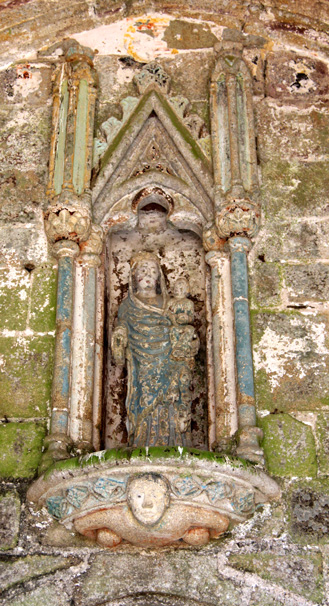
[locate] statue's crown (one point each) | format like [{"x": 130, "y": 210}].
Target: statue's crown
[{"x": 144, "y": 256}]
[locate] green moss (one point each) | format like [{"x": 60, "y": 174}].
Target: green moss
[
  {"x": 14, "y": 298},
  {"x": 322, "y": 431},
  {"x": 302, "y": 186},
  {"x": 20, "y": 448},
  {"x": 43, "y": 299},
  {"x": 26, "y": 376},
  {"x": 264, "y": 395},
  {"x": 152, "y": 453},
  {"x": 289, "y": 446}
]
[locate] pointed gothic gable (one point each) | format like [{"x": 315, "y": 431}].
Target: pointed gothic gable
[{"x": 153, "y": 147}]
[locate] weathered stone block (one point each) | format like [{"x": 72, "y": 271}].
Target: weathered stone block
[
  {"x": 26, "y": 375},
  {"x": 24, "y": 569},
  {"x": 20, "y": 449},
  {"x": 307, "y": 283},
  {"x": 180, "y": 574},
  {"x": 10, "y": 509},
  {"x": 310, "y": 510},
  {"x": 301, "y": 574},
  {"x": 185, "y": 35},
  {"x": 289, "y": 446},
  {"x": 30, "y": 149},
  {"x": 265, "y": 284},
  {"x": 293, "y": 76},
  {"x": 14, "y": 298},
  {"x": 291, "y": 361},
  {"x": 43, "y": 299},
  {"x": 322, "y": 433},
  {"x": 21, "y": 245},
  {"x": 54, "y": 594},
  {"x": 295, "y": 188},
  {"x": 302, "y": 241},
  {"x": 286, "y": 133}
]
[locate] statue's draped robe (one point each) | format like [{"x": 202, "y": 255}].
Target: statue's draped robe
[{"x": 153, "y": 377}]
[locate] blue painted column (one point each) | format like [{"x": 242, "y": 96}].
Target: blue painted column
[
  {"x": 249, "y": 434},
  {"x": 58, "y": 440}
]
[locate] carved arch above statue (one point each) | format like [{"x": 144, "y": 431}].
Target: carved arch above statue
[{"x": 153, "y": 147}]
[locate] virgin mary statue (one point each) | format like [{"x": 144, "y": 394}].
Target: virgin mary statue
[{"x": 158, "y": 413}]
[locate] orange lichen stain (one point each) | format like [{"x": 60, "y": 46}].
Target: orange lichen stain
[
  {"x": 266, "y": 49},
  {"x": 150, "y": 25},
  {"x": 174, "y": 51}
]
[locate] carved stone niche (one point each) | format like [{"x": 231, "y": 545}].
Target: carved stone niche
[
  {"x": 181, "y": 378},
  {"x": 152, "y": 375}
]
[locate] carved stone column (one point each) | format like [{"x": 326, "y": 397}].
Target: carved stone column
[
  {"x": 223, "y": 347},
  {"x": 84, "y": 341},
  {"x": 249, "y": 434},
  {"x": 68, "y": 218},
  {"x": 58, "y": 440},
  {"x": 237, "y": 214}
]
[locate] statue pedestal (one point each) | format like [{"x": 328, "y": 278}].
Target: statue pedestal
[{"x": 152, "y": 497}]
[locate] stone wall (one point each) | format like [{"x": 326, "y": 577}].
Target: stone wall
[{"x": 281, "y": 556}]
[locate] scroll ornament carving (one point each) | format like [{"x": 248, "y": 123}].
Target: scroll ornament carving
[
  {"x": 67, "y": 225},
  {"x": 149, "y": 499},
  {"x": 238, "y": 217},
  {"x": 111, "y": 490}
]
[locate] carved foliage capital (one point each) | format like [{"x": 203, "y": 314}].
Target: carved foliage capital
[
  {"x": 238, "y": 217},
  {"x": 94, "y": 244},
  {"x": 210, "y": 238},
  {"x": 67, "y": 225}
]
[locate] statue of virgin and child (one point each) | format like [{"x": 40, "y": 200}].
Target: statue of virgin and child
[{"x": 154, "y": 335}]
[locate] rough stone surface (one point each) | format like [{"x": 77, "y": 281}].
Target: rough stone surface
[
  {"x": 322, "y": 436},
  {"x": 265, "y": 284},
  {"x": 289, "y": 446},
  {"x": 26, "y": 373},
  {"x": 307, "y": 283},
  {"x": 310, "y": 509},
  {"x": 23, "y": 569},
  {"x": 291, "y": 360},
  {"x": 10, "y": 506},
  {"x": 20, "y": 447},
  {"x": 169, "y": 573},
  {"x": 300, "y": 574}
]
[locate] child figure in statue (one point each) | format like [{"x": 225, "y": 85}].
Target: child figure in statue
[
  {"x": 158, "y": 386},
  {"x": 185, "y": 345},
  {"x": 184, "y": 340}
]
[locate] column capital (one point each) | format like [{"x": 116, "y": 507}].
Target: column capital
[
  {"x": 67, "y": 224},
  {"x": 239, "y": 244},
  {"x": 65, "y": 248},
  {"x": 237, "y": 216}
]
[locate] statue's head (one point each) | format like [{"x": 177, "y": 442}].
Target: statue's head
[
  {"x": 181, "y": 288},
  {"x": 145, "y": 268},
  {"x": 148, "y": 497}
]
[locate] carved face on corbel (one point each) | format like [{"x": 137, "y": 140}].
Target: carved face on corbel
[{"x": 148, "y": 496}]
